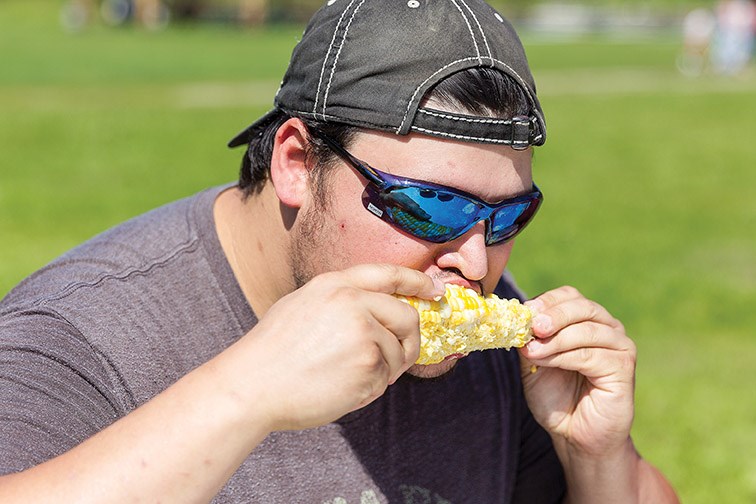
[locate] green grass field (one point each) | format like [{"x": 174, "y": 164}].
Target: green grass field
[{"x": 649, "y": 182}]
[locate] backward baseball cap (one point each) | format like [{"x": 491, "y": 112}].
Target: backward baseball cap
[{"x": 369, "y": 63}]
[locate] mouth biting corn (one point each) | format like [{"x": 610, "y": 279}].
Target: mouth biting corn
[{"x": 463, "y": 321}]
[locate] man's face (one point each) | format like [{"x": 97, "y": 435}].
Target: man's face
[{"x": 343, "y": 233}]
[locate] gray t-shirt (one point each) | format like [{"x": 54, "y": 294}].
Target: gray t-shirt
[{"x": 117, "y": 320}]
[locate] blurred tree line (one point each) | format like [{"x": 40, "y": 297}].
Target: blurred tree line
[
  {"x": 277, "y": 11},
  {"x": 157, "y": 13},
  {"x": 298, "y": 11}
]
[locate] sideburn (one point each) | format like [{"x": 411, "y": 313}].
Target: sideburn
[{"x": 309, "y": 235}]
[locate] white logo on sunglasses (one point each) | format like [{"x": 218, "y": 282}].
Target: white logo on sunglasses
[{"x": 377, "y": 211}]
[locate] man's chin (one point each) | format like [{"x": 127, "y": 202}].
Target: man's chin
[{"x": 432, "y": 370}]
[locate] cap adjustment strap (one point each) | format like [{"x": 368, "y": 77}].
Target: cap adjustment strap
[{"x": 520, "y": 131}]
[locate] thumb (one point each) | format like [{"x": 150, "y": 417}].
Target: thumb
[{"x": 393, "y": 279}]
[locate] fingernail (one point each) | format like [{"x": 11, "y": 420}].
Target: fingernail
[
  {"x": 534, "y": 345},
  {"x": 542, "y": 322}
]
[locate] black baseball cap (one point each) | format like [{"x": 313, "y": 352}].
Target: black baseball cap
[{"x": 368, "y": 63}]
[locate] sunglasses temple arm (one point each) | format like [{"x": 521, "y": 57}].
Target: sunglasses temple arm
[{"x": 338, "y": 149}]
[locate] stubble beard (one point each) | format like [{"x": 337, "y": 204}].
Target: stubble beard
[
  {"x": 305, "y": 264},
  {"x": 309, "y": 238}
]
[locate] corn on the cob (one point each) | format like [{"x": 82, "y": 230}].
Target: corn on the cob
[{"x": 462, "y": 322}]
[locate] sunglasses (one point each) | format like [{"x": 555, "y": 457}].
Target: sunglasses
[{"x": 434, "y": 212}]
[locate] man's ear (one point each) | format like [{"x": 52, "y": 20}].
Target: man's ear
[{"x": 288, "y": 169}]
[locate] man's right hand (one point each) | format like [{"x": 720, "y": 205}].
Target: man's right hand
[
  {"x": 334, "y": 345},
  {"x": 324, "y": 350}
]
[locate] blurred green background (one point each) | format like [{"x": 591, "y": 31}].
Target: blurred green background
[{"x": 648, "y": 177}]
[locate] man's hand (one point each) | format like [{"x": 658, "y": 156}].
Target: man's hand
[
  {"x": 324, "y": 350},
  {"x": 583, "y": 390},
  {"x": 582, "y": 394},
  {"x": 335, "y": 344}
]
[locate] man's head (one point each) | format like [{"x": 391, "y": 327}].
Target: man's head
[{"x": 426, "y": 90}]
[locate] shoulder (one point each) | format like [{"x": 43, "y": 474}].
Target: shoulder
[{"x": 137, "y": 245}]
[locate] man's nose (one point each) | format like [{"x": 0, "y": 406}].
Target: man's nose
[{"x": 468, "y": 253}]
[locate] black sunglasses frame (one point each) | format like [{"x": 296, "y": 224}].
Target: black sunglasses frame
[{"x": 381, "y": 195}]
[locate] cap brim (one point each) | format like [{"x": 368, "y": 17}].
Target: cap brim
[{"x": 255, "y": 129}]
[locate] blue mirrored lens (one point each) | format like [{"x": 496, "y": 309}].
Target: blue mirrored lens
[
  {"x": 505, "y": 222},
  {"x": 440, "y": 216},
  {"x": 431, "y": 214}
]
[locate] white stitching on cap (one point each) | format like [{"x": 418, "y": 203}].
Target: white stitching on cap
[
  {"x": 469, "y": 28},
  {"x": 483, "y": 34},
  {"x": 474, "y": 139},
  {"x": 466, "y": 119},
  {"x": 338, "y": 53},
  {"x": 417, "y": 128},
  {"x": 325, "y": 60},
  {"x": 417, "y": 89},
  {"x": 517, "y": 76}
]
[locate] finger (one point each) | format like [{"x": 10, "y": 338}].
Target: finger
[
  {"x": 402, "y": 323},
  {"x": 527, "y": 367},
  {"x": 592, "y": 362},
  {"x": 397, "y": 354},
  {"x": 392, "y": 279},
  {"x": 554, "y": 297},
  {"x": 581, "y": 335},
  {"x": 552, "y": 319}
]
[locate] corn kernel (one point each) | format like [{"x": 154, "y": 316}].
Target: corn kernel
[{"x": 463, "y": 322}]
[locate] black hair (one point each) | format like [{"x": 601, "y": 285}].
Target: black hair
[
  {"x": 478, "y": 91},
  {"x": 481, "y": 91},
  {"x": 255, "y": 165}
]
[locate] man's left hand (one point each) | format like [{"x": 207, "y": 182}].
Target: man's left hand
[{"x": 582, "y": 392}]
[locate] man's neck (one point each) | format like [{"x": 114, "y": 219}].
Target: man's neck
[{"x": 255, "y": 241}]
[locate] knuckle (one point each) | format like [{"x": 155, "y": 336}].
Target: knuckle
[
  {"x": 342, "y": 294},
  {"x": 628, "y": 362},
  {"x": 593, "y": 310},
  {"x": 585, "y": 356},
  {"x": 413, "y": 353},
  {"x": 558, "y": 313},
  {"x": 619, "y": 326},
  {"x": 410, "y": 313},
  {"x": 364, "y": 325},
  {"x": 569, "y": 291},
  {"x": 632, "y": 353},
  {"x": 324, "y": 281},
  {"x": 372, "y": 359},
  {"x": 393, "y": 273},
  {"x": 593, "y": 334}
]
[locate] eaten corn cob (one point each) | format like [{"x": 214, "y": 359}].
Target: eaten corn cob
[{"x": 463, "y": 321}]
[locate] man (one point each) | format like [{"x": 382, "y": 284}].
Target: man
[{"x": 244, "y": 345}]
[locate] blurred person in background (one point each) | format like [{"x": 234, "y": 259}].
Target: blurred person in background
[
  {"x": 734, "y": 36},
  {"x": 75, "y": 15},
  {"x": 244, "y": 344},
  {"x": 698, "y": 29}
]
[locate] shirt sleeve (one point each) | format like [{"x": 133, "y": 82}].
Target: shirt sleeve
[{"x": 54, "y": 389}]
